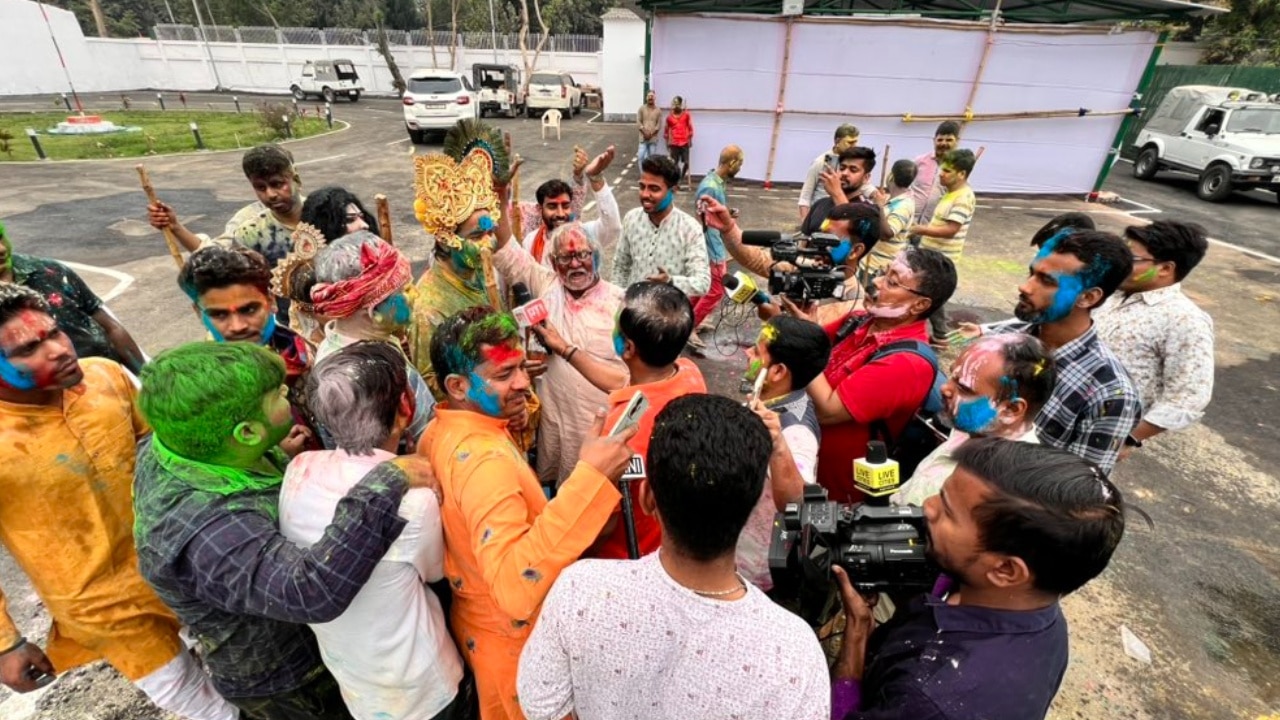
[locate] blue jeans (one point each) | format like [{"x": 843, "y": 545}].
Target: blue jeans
[{"x": 647, "y": 148}]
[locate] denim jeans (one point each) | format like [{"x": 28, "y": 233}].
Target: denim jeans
[{"x": 647, "y": 148}]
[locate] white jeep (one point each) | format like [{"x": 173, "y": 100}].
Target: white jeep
[
  {"x": 1228, "y": 137},
  {"x": 328, "y": 79}
]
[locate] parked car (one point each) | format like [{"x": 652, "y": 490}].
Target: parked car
[
  {"x": 436, "y": 100},
  {"x": 499, "y": 89},
  {"x": 550, "y": 89},
  {"x": 1228, "y": 137},
  {"x": 328, "y": 79}
]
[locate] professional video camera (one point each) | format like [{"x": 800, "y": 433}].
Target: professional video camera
[
  {"x": 881, "y": 549},
  {"x": 816, "y": 275}
]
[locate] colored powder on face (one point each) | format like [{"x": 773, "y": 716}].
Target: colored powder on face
[
  {"x": 1064, "y": 299},
  {"x": 394, "y": 311},
  {"x": 768, "y": 334},
  {"x": 840, "y": 253},
  {"x": 483, "y": 396},
  {"x": 1149, "y": 275},
  {"x": 619, "y": 342},
  {"x": 268, "y": 330},
  {"x": 499, "y": 354},
  {"x": 665, "y": 202},
  {"x": 753, "y": 370},
  {"x": 976, "y": 415},
  {"x": 486, "y": 224},
  {"x": 1012, "y": 386},
  {"x": 17, "y": 377},
  {"x": 213, "y": 331}
]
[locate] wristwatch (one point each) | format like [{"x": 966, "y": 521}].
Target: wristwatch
[{"x": 1132, "y": 442}]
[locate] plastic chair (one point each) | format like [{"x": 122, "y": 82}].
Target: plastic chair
[{"x": 551, "y": 119}]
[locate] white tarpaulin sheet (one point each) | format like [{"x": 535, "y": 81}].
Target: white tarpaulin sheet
[{"x": 728, "y": 70}]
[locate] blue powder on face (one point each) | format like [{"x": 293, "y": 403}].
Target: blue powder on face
[
  {"x": 486, "y": 224},
  {"x": 666, "y": 201},
  {"x": 395, "y": 309},
  {"x": 483, "y": 396},
  {"x": 619, "y": 343},
  {"x": 18, "y": 378},
  {"x": 1069, "y": 289},
  {"x": 841, "y": 251},
  {"x": 208, "y": 324},
  {"x": 976, "y": 415}
]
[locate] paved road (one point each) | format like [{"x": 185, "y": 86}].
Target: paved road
[{"x": 1244, "y": 219}]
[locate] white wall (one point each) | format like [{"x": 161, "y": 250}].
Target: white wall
[
  {"x": 109, "y": 65},
  {"x": 623, "y": 66},
  {"x": 729, "y": 70}
]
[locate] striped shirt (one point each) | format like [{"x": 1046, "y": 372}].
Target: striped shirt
[{"x": 956, "y": 206}]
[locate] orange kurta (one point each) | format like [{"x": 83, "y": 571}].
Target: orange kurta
[
  {"x": 504, "y": 543},
  {"x": 66, "y": 478}
]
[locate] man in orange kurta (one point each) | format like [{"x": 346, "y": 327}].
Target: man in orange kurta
[
  {"x": 68, "y": 430},
  {"x": 505, "y": 544}
]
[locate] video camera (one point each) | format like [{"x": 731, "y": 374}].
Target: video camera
[
  {"x": 816, "y": 275},
  {"x": 881, "y": 549}
]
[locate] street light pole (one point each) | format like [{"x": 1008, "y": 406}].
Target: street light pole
[{"x": 217, "y": 79}]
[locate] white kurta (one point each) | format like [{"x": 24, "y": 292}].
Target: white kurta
[{"x": 569, "y": 401}]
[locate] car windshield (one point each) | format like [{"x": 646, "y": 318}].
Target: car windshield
[
  {"x": 434, "y": 86},
  {"x": 544, "y": 79},
  {"x": 1255, "y": 120}
]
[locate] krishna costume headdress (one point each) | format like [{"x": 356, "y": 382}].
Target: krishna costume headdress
[
  {"x": 296, "y": 270},
  {"x": 450, "y": 186}
]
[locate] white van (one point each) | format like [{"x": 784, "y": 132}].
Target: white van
[
  {"x": 1228, "y": 137},
  {"x": 550, "y": 89},
  {"x": 437, "y": 100}
]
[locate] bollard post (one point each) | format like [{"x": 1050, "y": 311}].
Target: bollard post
[
  {"x": 124, "y": 100},
  {"x": 35, "y": 141},
  {"x": 328, "y": 115},
  {"x": 160, "y": 97},
  {"x": 182, "y": 97},
  {"x": 67, "y": 102},
  {"x": 195, "y": 130},
  {"x": 236, "y": 100},
  {"x": 288, "y": 126},
  {"x": 296, "y": 112}
]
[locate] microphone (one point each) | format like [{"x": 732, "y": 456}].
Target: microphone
[
  {"x": 761, "y": 238},
  {"x": 529, "y": 312},
  {"x": 742, "y": 289},
  {"x": 876, "y": 475}
]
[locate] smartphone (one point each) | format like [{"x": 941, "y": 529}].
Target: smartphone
[
  {"x": 631, "y": 414},
  {"x": 833, "y": 163},
  {"x": 40, "y": 677},
  {"x": 757, "y": 387}
]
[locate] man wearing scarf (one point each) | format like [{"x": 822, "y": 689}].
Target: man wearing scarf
[{"x": 206, "y": 492}]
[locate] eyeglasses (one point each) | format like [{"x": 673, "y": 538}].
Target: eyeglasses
[
  {"x": 1142, "y": 258},
  {"x": 567, "y": 259},
  {"x": 890, "y": 282}
]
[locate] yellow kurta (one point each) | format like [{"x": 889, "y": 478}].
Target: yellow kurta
[
  {"x": 66, "y": 516},
  {"x": 504, "y": 543}
]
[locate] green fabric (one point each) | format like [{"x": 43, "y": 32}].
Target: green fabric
[{"x": 220, "y": 479}]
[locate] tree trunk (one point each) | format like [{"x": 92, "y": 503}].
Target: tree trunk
[
  {"x": 431, "y": 36},
  {"x": 384, "y": 49},
  {"x": 453, "y": 34},
  {"x": 542, "y": 39},
  {"x": 98, "y": 18}
]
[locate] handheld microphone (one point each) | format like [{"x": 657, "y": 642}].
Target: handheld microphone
[
  {"x": 742, "y": 289},
  {"x": 876, "y": 475},
  {"x": 761, "y": 238},
  {"x": 529, "y": 312}
]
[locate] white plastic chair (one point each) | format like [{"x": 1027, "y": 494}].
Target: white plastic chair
[{"x": 551, "y": 119}]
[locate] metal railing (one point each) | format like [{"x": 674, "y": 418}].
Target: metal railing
[{"x": 352, "y": 36}]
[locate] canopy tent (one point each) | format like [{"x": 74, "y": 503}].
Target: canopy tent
[{"x": 1015, "y": 11}]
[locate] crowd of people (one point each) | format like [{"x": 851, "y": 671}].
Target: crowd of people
[{"x": 502, "y": 490}]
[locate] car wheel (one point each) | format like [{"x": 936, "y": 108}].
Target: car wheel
[
  {"x": 528, "y": 112},
  {"x": 417, "y": 137},
  {"x": 1147, "y": 164},
  {"x": 354, "y": 95},
  {"x": 297, "y": 93},
  {"x": 1215, "y": 183},
  {"x": 327, "y": 94}
]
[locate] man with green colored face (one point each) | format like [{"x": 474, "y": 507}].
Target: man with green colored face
[
  {"x": 81, "y": 314},
  {"x": 206, "y": 492}
]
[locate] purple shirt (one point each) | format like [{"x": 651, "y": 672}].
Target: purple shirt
[
  {"x": 926, "y": 190},
  {"x": 937, "y": 661}
]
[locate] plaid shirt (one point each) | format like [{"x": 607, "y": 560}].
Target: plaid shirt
[
  {"x": 219, "y": 561},
  {"x": 1094, "y": 406}
]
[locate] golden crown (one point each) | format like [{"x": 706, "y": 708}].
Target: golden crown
[
  {"x": 307, "y": 241},
  {"x": 447, "y": 192}
]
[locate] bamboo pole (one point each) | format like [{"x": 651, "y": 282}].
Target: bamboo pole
[
  {"x": 384, "y": 217},
  {"x": 884, "y": 167},
  {"x": 169, "y": 239}
]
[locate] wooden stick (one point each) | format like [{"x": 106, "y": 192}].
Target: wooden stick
[
  {"x": 517, "y": 222},
  {"x": 384, "y": 217},
  {"x": 490, "y": 279},
  {"x": 884, "y": 166},
  {"x": 169, "y": 239}
]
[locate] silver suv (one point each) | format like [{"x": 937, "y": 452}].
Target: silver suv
[
  {"x": 436, "y": 100},
  {"x": 550, "y": 89}
]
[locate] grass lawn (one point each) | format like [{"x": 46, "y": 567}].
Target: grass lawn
[{"x": 162, "y": 132}]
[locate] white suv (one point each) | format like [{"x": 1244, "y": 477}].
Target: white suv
[
  {"x": 552, "y": 89},
  {"x": 436, "y": 100}
]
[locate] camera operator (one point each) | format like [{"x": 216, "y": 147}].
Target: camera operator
[
  {"x": 1016, "y": 527},
  {"x": 856, "y": 224},
  {"x": 865, "y": 394}
]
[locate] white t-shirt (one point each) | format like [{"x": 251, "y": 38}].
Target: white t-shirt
[
  {"x": 619, "y": 639},
  {"x": 390, "y": 651}
]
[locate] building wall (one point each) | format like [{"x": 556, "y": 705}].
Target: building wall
[
  {"x": 623, "y": 67},
  {"x": 110, "y": 65},
  {"x": 729, "y": 70}
]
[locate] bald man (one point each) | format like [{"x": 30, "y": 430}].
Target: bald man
[{"x": 713, "y": 186}]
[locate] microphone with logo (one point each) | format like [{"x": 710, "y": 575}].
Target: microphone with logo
[
  {"x": 742, "y": 290},
  {"x": 529, "y": 312}
]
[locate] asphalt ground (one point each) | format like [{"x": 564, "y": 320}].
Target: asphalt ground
[{"x": 1200, "y": 588}]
